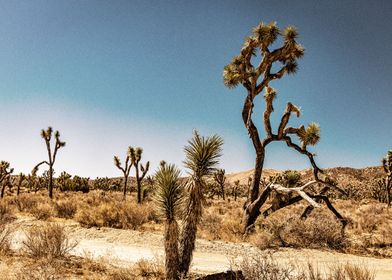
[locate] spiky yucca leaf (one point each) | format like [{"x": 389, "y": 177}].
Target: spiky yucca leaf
[
  {"x": 266, "y": 34},
  {"x": 291, "y": 67},
  {"x": 290, "y": 33},
  {"x": 169, "y": 194},
  {"x": 232, "y": 76},
  {"x": 117, "y": 161},
  {"x": 310, "y": 135},
  {"x": 202, "y": 154}
]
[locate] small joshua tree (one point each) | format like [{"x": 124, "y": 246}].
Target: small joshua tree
[
  {"x": 169, "y": 196},
  {"x": 126, "y": 169},
  {"x": 136, "y": 156},
  {"x": 5, "y": 176},
  {"x": 387, "y": 166},
  {"x": 256, "y": 78},
  {"x": 64, "y": 181},
  {"x": 21, "y": 179},
  {"x": 236, "y": 188},
  {"x": 202, "y": 157},
  {"x": 220, "y": 179},
  {"x": 52, "y": 153}
]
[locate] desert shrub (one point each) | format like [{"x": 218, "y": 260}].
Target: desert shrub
[
  {"x": 263, "y": 266},
  {"x": 116, "y": 214},
  {"x": 211, "y": 226},
  {"x": 42, "y": 211},
  {"x": 65, "y": 208},
  {"x": 26, "y": 202},
  {"x": 48, "y": 241},
  {"x": 6, "y": 213},
  {"x": 317, "y": 231},
  {"x": 150, "y": 269},
  {"x": 5, "y": 239}
]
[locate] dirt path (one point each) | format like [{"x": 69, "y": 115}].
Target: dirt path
[{"x": 125, "y": 247}]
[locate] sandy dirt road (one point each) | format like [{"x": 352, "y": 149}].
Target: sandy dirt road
[{"x": 125, "y": 247}]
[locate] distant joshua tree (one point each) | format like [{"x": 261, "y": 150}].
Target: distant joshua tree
[
  {"x": 236, "y": 188},
  {"x": 5, "y": 176},
  {"x": 22, "y": 177},
  {"x": 52, "y": 153},
  {"x": 256, "y": 77},
  {"x": 220, "y": 179},
  {"x": 169, "y": 196},
  {"x": 136, "y": 156},
  {"x": 125, "y": 169},
  {"x": 387, "y": 166},
  {"x": 202, "y": 157},
  {"x": 64, "y": 181}
]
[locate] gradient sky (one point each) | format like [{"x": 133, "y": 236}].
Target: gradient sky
[{"x": 109, "y": 74}]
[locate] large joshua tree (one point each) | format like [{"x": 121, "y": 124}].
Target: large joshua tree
[
  {"x": 52, "y": 154},
  {"x": 256, "y": 76},
  {"x": 202, "y": 157},
  {"x": 136, "y": 156},
  {"x": 169, "y": 196},
  {"x": 125, "y": 169},
  {"x": 387, "y": 166}
]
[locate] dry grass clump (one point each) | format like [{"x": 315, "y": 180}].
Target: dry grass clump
[
  {"x": 116, "y": 214},
  {"x": 47, "y": 241},
  {"x": 42, "y": 211},
  {"x": 320, "y": 230},
  {"x": 65, "y": 208},
  {"x": 6, "y": 212},
  {"x": 5, "y": 239},
  {"x": 263, "y": 266},
  {"x": 370, "y": 229},
  {"x": 221, "y": 221}
]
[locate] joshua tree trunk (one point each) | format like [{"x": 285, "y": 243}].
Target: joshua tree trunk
[
  {"x": 139, "y": 187},
  {"x": 387, "y": 165},
  {"x": 125, "y": 185},
  {"x": 193, "y": 213},
  {"x": 388, "y": 184},
  {"x": 171, "y": 249},
  {"x": 5, "y": 176},
  {"x": 51, "y": 181}
]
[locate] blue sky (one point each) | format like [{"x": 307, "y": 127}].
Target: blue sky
[{"x": 109, "y": 74}]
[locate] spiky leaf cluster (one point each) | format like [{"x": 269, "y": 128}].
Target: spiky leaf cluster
[
  {"x": 240, "y": 70},
  {"x": 309, "y": 135},
  {"x": 47, "y": 135},
  {"x": 169, "y": 194},
  {"x": 291, "y": 178},
  {"x": 202, "y": 154}
]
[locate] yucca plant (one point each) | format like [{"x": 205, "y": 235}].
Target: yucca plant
[
  {"x": 52, "y": 154},
  {"x": 256, "y": 76},
  {"x": 169, "y": 196},
  {"x": 124, "y": 169},
  {"x": 136, "y": 156},
  {"x": 202, "y": 157}
]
